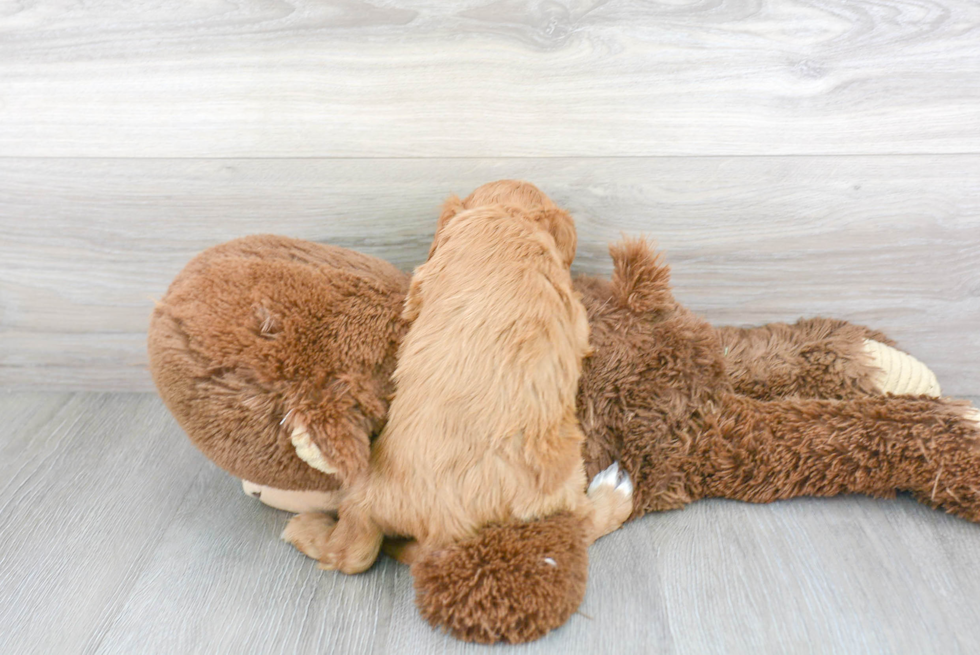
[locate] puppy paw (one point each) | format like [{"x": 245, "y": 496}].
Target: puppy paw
[
  {"x": 900, "y": 373},
  {"x": 307, "y": 451},
  {"x": 309, "y": 533},
  {"x": 353, "y": 546},
  {"x": 614, "y": 477},
  {"x": 349, "y": 560},
  {"x": 611, "y": 493}
]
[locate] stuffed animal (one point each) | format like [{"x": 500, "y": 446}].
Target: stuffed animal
[{"x": 275, "y": 356}]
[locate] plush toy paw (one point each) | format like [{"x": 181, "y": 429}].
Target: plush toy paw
[
  {"x": 309, "y": 532},
  {"x": 900, "y": 373},
  {"x": 611, "y": 493},
  {"x": 512, "y": 582},
  {"x": 293, "y": 501},
  {"x": 307, "y": 451}
]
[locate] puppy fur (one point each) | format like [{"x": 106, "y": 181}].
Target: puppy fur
[{"x": 482, "y": 428}]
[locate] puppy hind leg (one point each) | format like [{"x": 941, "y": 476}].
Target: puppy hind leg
[
  {"x": 403, "y": 551},
  {"x": 610, "y": 501}
]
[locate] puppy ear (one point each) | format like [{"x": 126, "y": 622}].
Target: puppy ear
[
  {"x": 450, "y": 208},
  {"x": 413, "y": 300},
  {"x": 561, "y": 227}
]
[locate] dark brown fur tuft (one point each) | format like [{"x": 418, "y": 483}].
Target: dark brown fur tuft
[
  {"x": 500, "y": 585},
  {"x": 640, "y": 278},
  {"x": 814, "y": 357}
]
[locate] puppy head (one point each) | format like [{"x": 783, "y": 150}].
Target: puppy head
[
  {"x": 524, "y": 196},
  {"x": 508, "y": 192}
]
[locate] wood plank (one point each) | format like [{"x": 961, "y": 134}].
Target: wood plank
[
  {"x": 87, "y": 485},
  {"x": 349, "y": 78},
  {"x": 888, "y": 241}
]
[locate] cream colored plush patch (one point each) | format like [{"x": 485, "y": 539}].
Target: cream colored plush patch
[
  {"x": 900, "y": 373},
  {"x": 293, "y": 501},
  {"x": 307, "y": 451}
]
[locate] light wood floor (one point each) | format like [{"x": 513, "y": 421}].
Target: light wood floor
[{"x": 116, "y": 536}]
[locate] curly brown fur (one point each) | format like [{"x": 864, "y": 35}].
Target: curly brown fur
[
  {"x": 814, "y": 357},
  {"x": 761, "y": 451},
  {"x": 656, "y": 396},
  {"x": 512, "y": 582},
  {"x": 656, "y": 369},
  {"x": 263, "y": 333}
]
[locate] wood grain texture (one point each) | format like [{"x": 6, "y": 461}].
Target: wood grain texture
[
  {"x": 487, "y": 78},
  {"x": 888, "y": 241},
  {"x": 117, "y": 537},
  {"x": 89, "y": 484}
]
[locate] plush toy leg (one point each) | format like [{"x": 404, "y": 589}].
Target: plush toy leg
[
  {"x": 760, "y": 451},
  {"x": 900, "y": 373},
  {"x": 293, "y": 501},
  {"x": 820, "y": 358}
]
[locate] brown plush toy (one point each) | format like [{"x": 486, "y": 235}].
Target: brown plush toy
[{"x": 275, "y": 356}]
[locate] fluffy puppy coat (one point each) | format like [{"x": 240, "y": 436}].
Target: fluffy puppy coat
[{"x": 482, "y": 428}]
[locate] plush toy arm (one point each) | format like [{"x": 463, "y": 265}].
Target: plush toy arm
[
  {"x": 820, "y": 358},
  {"x": 760, "y": 451},
  {"x": 338, "y": 444}
]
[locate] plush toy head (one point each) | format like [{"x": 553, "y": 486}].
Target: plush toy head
[{"x": 263, "y": 334}]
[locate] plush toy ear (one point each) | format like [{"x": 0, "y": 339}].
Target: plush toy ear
[{"x": 513, "y": 582}]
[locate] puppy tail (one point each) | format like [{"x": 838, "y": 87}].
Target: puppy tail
[{"x": 641, "y": 281}]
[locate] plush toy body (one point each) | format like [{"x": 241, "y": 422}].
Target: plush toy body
[{"x": 275, "y": 356}]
